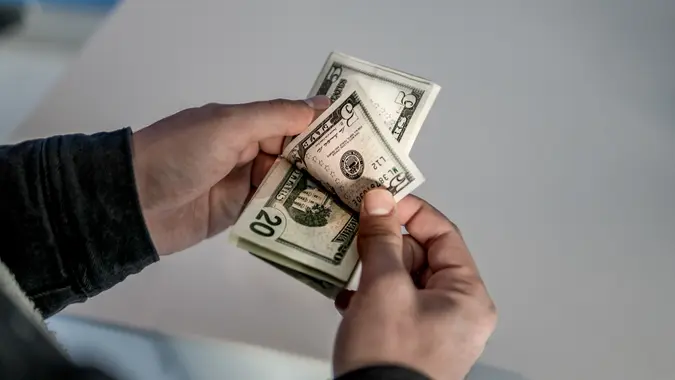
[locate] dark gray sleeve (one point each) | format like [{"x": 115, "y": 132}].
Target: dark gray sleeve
[
  {"x": 383, "y": 372},
  {"x": 70, "y": 221}
]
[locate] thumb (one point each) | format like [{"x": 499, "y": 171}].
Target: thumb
[
  {"x": 274, "y": 118},
  {"x": 379, "y": 243}
]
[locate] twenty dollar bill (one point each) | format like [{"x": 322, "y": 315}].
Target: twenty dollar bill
[{"x": 292, "y": 222}]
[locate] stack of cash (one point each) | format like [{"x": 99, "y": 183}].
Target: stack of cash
[{"x": 303, "y": 219}]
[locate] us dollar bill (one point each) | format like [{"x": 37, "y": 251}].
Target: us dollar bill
[
  {"x": 349, "y": 152},
  {"x": 401, "y": 100},
  {"x": 293, "y": 222},
  {"x": 303, "y": 217}
]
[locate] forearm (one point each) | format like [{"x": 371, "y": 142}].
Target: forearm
[{"x": 70, "y": 217}]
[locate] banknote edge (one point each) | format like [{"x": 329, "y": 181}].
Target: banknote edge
[
  {"x": 383, "y": 67},
  {"x": 429, "y": 95}
]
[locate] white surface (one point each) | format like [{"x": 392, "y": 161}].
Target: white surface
[
  {"x": 552, "y": 146},
  {"x": 132, "y": 354}
]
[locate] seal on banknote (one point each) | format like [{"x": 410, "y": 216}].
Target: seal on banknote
[{"x": 351, "y": 164}]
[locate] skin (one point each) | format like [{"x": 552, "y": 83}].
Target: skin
[
  {"x": 421, "y": 302},
  {"x": 195, "y": 170}
]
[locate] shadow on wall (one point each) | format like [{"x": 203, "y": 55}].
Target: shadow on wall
[{"x": 485, "y": 372}]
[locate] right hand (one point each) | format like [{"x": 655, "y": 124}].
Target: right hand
[{"x": 421, "y": 302}]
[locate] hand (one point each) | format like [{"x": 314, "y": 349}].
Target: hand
[
  {"x": 195, "y": 170},
  {"x": 437, "y": 320}
]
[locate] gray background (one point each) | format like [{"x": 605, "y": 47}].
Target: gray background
[
  {"x": 34, "y": 55},
  {"x": 551, "y": 145}
]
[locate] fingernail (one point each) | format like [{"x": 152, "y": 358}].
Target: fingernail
[
  {"x": 378, "y": 202},
  {"x": 318, "y": 102}
]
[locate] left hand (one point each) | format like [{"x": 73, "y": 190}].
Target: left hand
[{"x": 196, "y": 170}]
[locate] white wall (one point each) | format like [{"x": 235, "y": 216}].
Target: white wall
[
  {"x": 26, "y": 74},
  {"x": 34, "y": 55},
  {"x": 551, "y": 145}
]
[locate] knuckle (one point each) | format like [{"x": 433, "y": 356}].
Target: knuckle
[
  {"x": 489, "y": 314},
  {"x": 452, "y": 224},
  {"x": 380, "y": 232},
  {"x": 484, "y": 312},
  {"x": 385, "y": 242},
  {"x": 486, "y": 324},
  {"x": 380, "y": 227},
  {"x": 216, "y": 110},
  {"x": 493, "y": 315},
  {"x": 455, "y": 227},
  {"x": 280, "y": 105},
  {"x": 222, "y": 111}
]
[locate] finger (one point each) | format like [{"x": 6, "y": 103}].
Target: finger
[
  {"x": 318, "y": 103},
  {"x": 264, "y": 120},
  {"x": 248, "y": 153},
  {"x": 261, "y": 165},
  {"x": 446, "y": 250},
  {"x": 410, "y": 206},
  {"x": 223, "y": 212},
  {"x": 379, "y": 240},
  {"x": 273, "y": 145},
  {"x": 414, "y": 255},
  {"x": 414, "y": 258}
]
